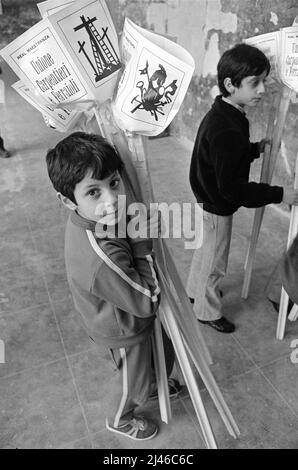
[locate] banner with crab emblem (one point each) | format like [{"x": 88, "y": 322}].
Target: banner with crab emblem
[{"x": 153, "y": 85}]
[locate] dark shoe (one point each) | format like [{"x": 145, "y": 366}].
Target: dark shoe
[
  {"x": 138, "y": 428},
  {"x": 276, "y": 305},
  {"x": 4, "y": 153},
  {"x": 222, "y": 325},
  {"x": 174, "y": 389}
]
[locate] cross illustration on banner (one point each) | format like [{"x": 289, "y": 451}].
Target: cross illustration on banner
[
  {"x": 155, "y": 95},
  {"x": 106, "y": 60}
]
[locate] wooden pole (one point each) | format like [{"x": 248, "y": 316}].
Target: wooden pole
[
  {"x": 284, "y": 299},
  {"x": 173, "y": 317},
  {"x": 108, "y": 129},
  {"x": 190, "y": 381},
  {"x": 161, "y": 373},
  {"x": 263, "y": 179},
  {"x": 274, "y": 133},
  {"x": 202, "y": 368},
  {"x": 293, "y": 315},
  {"x": 188, "y": 325}
]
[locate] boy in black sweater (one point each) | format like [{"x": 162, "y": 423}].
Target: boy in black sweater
[{"x": 219, "y": 175}]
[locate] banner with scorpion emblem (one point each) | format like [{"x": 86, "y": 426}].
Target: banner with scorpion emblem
[{"x": 153, "y": 85}]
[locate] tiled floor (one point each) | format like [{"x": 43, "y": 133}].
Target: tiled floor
[{"x": 54, "y": 382}]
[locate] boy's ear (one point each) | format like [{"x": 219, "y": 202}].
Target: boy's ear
[
  {"x": 66, "y": 202},
  {"x": 229, "y": 85}
]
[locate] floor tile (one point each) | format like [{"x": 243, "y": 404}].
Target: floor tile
[
  {"x": 50, "y": 242},
  {"x": 16, "y": 248},
  {"x": 93, "y": 382},
  {"x": 258, "y": 411},
  {"x": 75, "y": 338},
  {"x": 85, "y": 443},
  {"x": 256, "y": 332},
  {"x": 31, "y": 338},
  {"x": 59, "y": 291},
  {"x": 40, "y": 409},
  {"x": 43, "y": 217},
  {"x": 21, "y": 287},
  {"x": 228, "y": 357},
  {"x": 283, "y": 374},
  {"x": 53, "y": 270}
]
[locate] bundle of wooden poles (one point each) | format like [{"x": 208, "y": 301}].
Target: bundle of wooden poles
[
  {"x": 277, "y": 119},
  {"x": 175, "y": 312}
]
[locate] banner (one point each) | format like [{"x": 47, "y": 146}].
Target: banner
[
  {"x": 269, "y": 44},
  {"x": 69, "y": 56},
  {"x": 86, "y": 30},
  {"x": 61, "y": 119},
  {"x": 155, "y": 80},
  {"x": 281, "y": 48},
  {"x": 50, "y": 7},
  {"x": 289, "y": 51}
]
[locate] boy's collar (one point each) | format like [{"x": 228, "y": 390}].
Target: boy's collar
[
  {"x": 226, "y": 99},
  {"x": 80, "y": 221}
]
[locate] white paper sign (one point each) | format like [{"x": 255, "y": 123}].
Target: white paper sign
[
  {"x": 86, "y": 30},
  {"x": 154, "y": 82},
  {"x": 269, "y": 44},
  {"x": 50, "y": 7},
  {"x": 62, "y": 119},
  {"x": 69, "y": 56},
  {"x": 39, "y": 58},
  {"x": 289, "y": 47},
  {"x": 281, "y": 48}
]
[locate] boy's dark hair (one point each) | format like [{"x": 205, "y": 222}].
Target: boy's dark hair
[
  {"x": 239, "y": 62},
  {"x": 76, "y": 155}
]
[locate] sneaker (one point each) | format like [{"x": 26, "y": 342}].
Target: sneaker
[
  {"x": 138, "y": 429},
  {"x": 222, "y": 325},
  {"x": 4, "y": 153},
  {"x": 174, "y": 389}
]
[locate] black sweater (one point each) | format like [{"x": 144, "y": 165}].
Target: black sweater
[{"x": 221, "y": 160}]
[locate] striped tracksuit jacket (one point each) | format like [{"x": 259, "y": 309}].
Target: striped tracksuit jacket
[{"x": 115, "y": 290}]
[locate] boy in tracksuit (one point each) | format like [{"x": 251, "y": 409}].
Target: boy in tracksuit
[
  {"x": 219, "y": 176},
  {"x": 113, "y": 280}
]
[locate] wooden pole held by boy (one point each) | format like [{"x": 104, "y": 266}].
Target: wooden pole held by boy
[
  {"x": 274, "y": 134},
  {"x": 284, "y": 300},
  {"x": 169, "y": 278}
]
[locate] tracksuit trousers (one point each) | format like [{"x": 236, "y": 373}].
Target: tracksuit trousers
[{"x": 133, "y": 380}]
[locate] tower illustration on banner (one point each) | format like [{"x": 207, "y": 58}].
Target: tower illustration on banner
[
  {"x": 154, "y": 96},
  {"x": 106, "y": 60}
]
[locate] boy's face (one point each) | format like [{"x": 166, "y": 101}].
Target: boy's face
[
  {"x": 97, "y": 200},
  {"x": 250, "y": 91}
]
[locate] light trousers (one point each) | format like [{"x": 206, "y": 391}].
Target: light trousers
[{"x": 209, "y": 266}]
